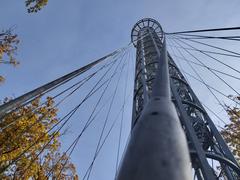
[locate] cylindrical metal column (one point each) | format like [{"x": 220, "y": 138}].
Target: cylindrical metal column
[{"x": 157, "y": 149}]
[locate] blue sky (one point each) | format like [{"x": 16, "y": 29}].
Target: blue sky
[{"x": 66, "y": 35}]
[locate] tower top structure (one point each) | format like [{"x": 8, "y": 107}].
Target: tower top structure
[
  {"x": 164, "y": 109},
  {"x": 146, "y": 23}
]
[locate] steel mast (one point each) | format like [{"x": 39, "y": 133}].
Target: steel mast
[
  {"x": 157, "y": 148},
  {"x": 169, "y": 124}
]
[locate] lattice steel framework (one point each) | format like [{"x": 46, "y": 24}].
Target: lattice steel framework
[
  {"x": 146, "y": 61},
  {"x": 204, "y": 141}
]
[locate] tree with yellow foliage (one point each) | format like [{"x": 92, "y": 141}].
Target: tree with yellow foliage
[
  {"x": 9, "y": 41},
  {"x": 29, "y": 145},
  {"x": 231, "y": 132},
  {"x": 8, "y": 48},
  {"x": 35, "y": 5}
]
